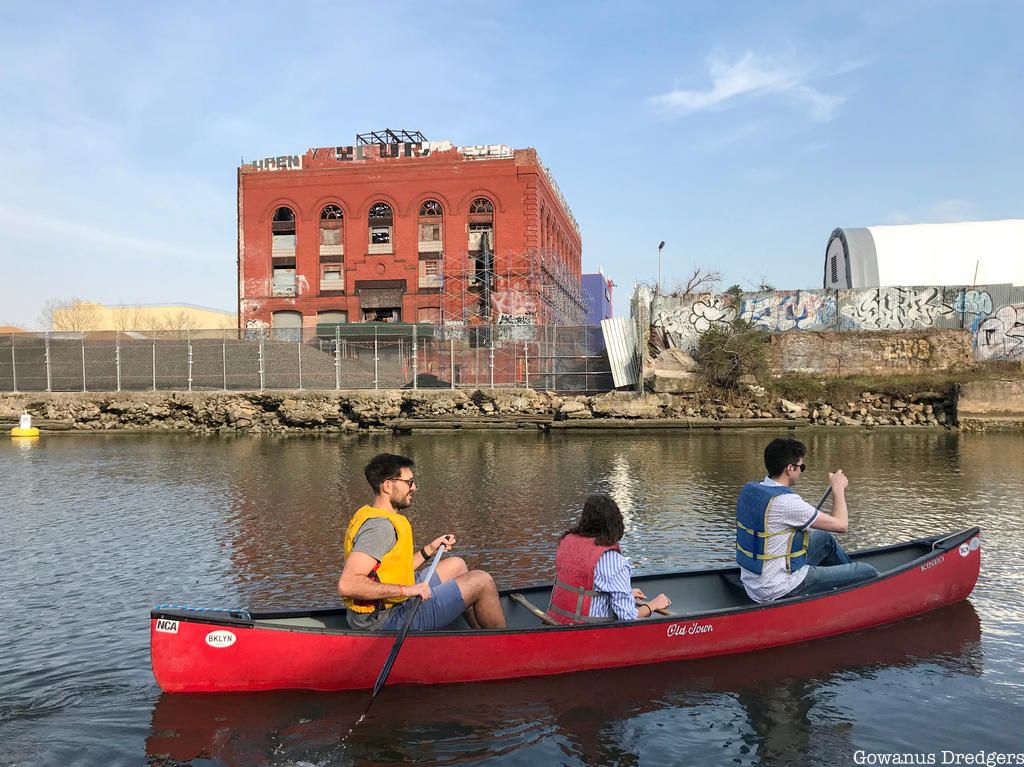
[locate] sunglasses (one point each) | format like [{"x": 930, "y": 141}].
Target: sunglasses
[
  {"x": 801, "y": 466},
  {"x": 409, "y": 482}
]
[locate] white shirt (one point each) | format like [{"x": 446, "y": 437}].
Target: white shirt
[
  {"x": 612, "y": 576},
  {"x": 789, "y": 511}
]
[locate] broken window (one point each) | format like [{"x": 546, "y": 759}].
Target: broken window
[
  {"x": 431, "y": 220},
  {"x": 481, "y": 241},
  {"x": 332, "y": 233},
  {"x": 332, "y": 277},
  {"x": 380, "y": 222},
  {"x": 481, "y": 205},
  {"x": 430, "y": 272},
  {"x": 282, "y": 228},
  {"x": 385, "y": 314}
]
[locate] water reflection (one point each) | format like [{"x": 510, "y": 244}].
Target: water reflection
[
  {"x": 772, "y": 706},
  {"x": 122, "y": 522}
]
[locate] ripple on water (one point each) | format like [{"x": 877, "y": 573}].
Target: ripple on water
[{"x": 97, "y": 530}]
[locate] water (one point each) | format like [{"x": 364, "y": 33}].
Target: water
[{"x": 97, "y": 529}]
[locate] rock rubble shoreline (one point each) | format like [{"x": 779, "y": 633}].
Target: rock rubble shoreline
[{"x": 403, "y": 410}]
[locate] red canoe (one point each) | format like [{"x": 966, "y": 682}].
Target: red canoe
[{"x": 196, "y": 650}]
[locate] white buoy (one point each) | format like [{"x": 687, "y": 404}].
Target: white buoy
[{"x": 25, "y": 427}]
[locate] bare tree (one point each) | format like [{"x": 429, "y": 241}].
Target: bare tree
[
  {"x": 130, "y": 318},
  {"x": 701, "y": 280},
  {"x": 70, "y": 314},
  {"x": 177, "y": 324}
]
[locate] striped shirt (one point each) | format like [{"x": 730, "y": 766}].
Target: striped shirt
[
  {"x": 612, "y": 575},
  {"x": 789, "y": 511}
]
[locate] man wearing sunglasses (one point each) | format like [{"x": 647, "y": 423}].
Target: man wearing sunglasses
[
  {"x": 785, "y": 546},
  {"x": 380, "y": 573}
]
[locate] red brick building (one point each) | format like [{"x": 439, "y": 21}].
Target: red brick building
[{"x": 399, "y": 229}]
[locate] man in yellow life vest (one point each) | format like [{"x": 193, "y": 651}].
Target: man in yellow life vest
[{"x": 379, "y": 575}]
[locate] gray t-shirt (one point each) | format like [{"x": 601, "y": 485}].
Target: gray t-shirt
[{"x": 376, "y": 537}]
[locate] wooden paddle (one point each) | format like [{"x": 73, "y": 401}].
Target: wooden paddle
[
  {"x": 382, "y": 678},
  {"x": 828, "y": 492}
]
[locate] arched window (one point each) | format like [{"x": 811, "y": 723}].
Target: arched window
[
  {"x": 431, "y": 243},
  {"x": 282, "y": 252},
  {"x": 481, "y": 240},
  {"x": 381, "y": 221},
  {"x": 481, "y": 205},
  {"x": 332, "y": 249}
]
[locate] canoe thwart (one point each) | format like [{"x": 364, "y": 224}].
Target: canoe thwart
[{"x": 524, "y": 602}]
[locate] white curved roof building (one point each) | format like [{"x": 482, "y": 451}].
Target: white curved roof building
[{"x": 963, "y": 253}]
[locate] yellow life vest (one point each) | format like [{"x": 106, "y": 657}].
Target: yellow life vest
[{"x": 396, "y": 567}]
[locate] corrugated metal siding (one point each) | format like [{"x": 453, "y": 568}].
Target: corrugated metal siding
[{"x": 620, "y": 341}]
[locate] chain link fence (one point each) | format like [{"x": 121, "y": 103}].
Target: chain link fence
[{"x": 366, "y": 356}]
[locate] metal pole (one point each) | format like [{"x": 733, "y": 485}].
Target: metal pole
[
  {"x": 526, "y": 363},
  {"x": 224, "y": 361},
  {"x": 46, "y": 356},
  {"x": 299, "y": 348},
  {"x": 491, "y": 362},
  {"x": 415, "y": 376},
  {"x": 259, "y": 353},
  {"x": 117, "y": 358},
  {"x": 451, "y": 358},
  {"x": 375, "y": 358},
  {"x": 337, "y": 358},
  {"x": 83, "y": 364},
  {"x": 154, "y": 364},
  {"x": 14, "y": 367},
  {"x": 188, "y": 343}
]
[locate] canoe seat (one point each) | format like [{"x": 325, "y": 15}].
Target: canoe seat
[{"x": 734, "y": 586}]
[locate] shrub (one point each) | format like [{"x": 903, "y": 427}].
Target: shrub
[{"x": 727, "y": 352}]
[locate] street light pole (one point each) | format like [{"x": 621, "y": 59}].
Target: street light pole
[{"x": 661, "y": 247}]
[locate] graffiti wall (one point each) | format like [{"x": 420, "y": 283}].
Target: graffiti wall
[{"x": 994, "y": 314}]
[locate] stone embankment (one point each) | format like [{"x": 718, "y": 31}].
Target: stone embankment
[{"x": 356, "y": 411}]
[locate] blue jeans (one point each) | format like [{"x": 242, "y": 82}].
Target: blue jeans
[{"x": 829, "y": 566}]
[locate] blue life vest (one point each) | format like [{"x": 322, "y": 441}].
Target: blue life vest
[{"x": 751, "y": 536}]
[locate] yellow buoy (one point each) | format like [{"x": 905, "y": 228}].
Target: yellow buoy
[{"x": 25, "y": 427}]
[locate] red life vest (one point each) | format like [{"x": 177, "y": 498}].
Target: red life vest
[{"x": 574, "y": 579}]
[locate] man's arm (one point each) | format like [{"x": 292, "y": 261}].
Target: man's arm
[
  {"x": 355, "y": 581},
  {"x": 839, "y": 520}
]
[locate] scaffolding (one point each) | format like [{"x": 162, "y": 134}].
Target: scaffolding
[{"x": 531, "y": 288}]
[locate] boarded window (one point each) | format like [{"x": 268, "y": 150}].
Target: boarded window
[
  {"x": 430, "y": 273},
  {"x": 282, "y": 229},
  {"x": 283, "y": 282},
  {"x": 286, "y": 326},
  {"x": 332, "y": 228},
  {"x": 428, "y": 314},
  {"x": 431, "y": 225},
  {"x": 332, "y": 277},
  {"x": 332, "y": 318}
]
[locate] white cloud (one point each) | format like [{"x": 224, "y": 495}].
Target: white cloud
[
  {"x": 939, "y": 212},
  {"x": 753, "y": 75}
]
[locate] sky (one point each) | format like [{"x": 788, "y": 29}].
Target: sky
[{"x": 740, "y": 134}]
